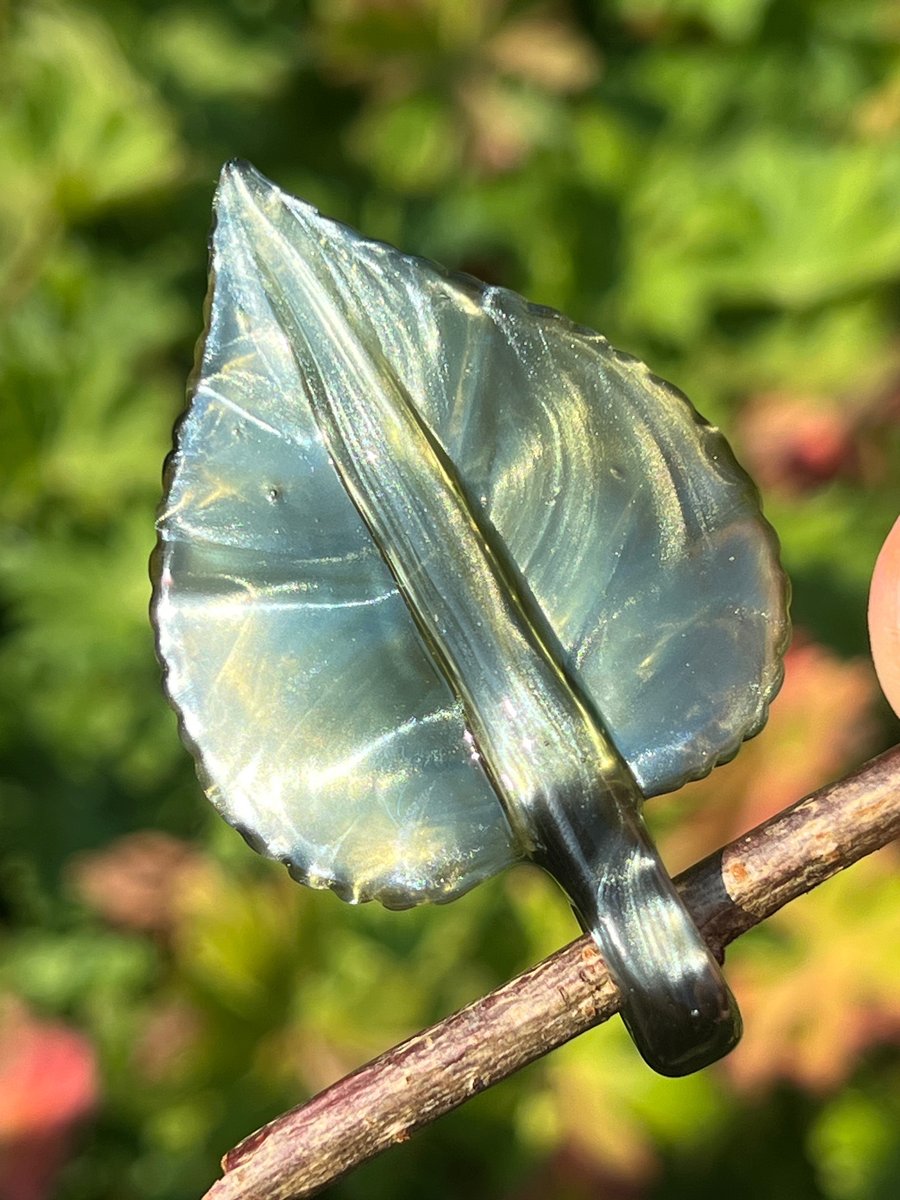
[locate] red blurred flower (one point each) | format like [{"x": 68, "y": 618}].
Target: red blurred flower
[
  {"x": 48, "y": 1083},
  {"x": 796, "y": 443}
]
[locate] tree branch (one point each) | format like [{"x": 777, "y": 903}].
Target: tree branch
[{"x": 407, "y": 1087}]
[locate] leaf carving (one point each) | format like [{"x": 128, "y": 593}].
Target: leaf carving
[{"x": 442, "y": 577}]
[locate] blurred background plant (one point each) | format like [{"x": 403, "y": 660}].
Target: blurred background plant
[{"x": 714, "y": 184}]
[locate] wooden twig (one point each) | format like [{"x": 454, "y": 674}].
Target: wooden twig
[{"x": 389, "y": 1098}]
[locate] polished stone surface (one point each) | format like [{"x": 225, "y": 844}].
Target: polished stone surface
[{"x": 443, "y": 580}]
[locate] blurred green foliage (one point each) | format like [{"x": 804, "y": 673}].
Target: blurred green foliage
[{"x": 714, "y": 184}]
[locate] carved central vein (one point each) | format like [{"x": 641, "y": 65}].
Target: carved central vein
[{"x": 537, "y": 735}]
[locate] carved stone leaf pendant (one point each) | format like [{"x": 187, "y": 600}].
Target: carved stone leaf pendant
[{"x": 444, "y": 581}]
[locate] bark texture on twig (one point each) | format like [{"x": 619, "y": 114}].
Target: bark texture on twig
[{"x": 389, "y": 1098}]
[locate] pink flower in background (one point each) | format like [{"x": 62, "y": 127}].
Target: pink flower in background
[
  {"x": 48, "y": 1083},
  {"x": 135, "y": 881},
  {"x": 797, "y": 443}
]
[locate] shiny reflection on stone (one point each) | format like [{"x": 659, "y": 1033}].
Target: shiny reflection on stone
[{"x": 444, "y": 581}]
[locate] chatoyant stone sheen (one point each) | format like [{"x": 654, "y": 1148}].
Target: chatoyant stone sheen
[{"x": 444, "y": 582}]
